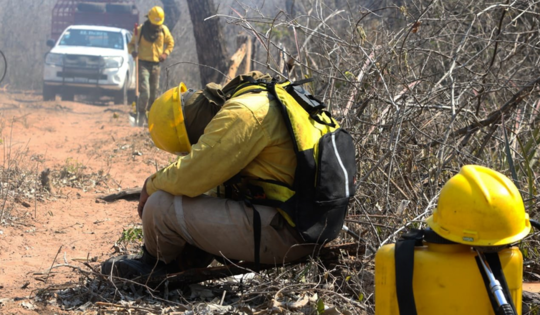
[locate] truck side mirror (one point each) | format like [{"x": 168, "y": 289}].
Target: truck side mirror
[{"x": 50, "y": 43}]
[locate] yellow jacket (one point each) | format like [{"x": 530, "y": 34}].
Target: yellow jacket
[
  {"x": 247, "y": 136},
  {"x": 148, "y": 51}
]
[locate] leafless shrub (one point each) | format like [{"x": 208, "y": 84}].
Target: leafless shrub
[
  {"x": 424, "y": 86},
  {"x": 24, "y": 182},
  {"x": 456, "y": 84},
  {"x": 19, "y": 185}
]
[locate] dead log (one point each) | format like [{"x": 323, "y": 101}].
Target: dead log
[
  {"x": 129, "y": 194},
  {"x": 247, "y": 64},
  {"x": 328, "y": 255},
  {"x": 236, "y": 62}
]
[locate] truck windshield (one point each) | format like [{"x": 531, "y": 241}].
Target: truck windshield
[{"x": 92, "y": 38}]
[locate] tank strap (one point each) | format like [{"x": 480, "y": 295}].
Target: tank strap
[
  {"x": 404, "y": 260},
  {"x": 257, "y": 234},
  {"x": 496, "y": 268}
]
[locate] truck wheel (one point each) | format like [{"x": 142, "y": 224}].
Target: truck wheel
[
  {"x": 119, "y": 8},
  {"x": 48, "y": 93},
  {"x": 131, "y": 96},
  {"x": 120, "y": 97},
  {"x": 90, "y": 7},
  {"x": 68, "y": 96}
]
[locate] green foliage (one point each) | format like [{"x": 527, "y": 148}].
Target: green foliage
[
  {"x": 524, "y": 250},
  {"x": 320, "y": 306},
  {"x": 72, "y": 167},
  {"x": 133, "y": 234},
  {"x": 301, "y": 277},
  {"x": 131, "y": 237},
  {"x": 280, "y": 33},
  {"x": 534, "y": 309}
]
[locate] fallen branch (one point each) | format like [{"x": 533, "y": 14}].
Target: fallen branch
[
  {"x": 328, "y": 255},
  {"x": 131, "y": 193},
  {"x": 235, "y": 60}
]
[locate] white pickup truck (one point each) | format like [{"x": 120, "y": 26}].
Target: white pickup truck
[{"x": 90, "y": 60}]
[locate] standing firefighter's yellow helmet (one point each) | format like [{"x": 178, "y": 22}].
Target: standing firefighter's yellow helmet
[
  {"x": 166, "y": 122},
  {"x": 480, "y": 207},
  {"x": 156, "y": 15}
]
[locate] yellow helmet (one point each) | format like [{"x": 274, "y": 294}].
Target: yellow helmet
[
  {"x": 166, "y": 122},
  {"x": 480, "y": 207},
  {"x": 156, "y": 15}
]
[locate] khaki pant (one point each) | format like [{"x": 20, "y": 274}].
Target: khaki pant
[{"x": 174, "y": 224}]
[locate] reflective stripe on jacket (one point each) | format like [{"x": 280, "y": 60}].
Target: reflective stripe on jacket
[{"x": 148, "y": 51}]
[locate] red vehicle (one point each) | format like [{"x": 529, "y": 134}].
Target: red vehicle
[{"x": 116, "y": 13}]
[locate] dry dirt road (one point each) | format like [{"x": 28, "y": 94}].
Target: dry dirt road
[{"x": 91, "y": 151}]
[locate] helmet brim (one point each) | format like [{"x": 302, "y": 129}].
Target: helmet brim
[{"x": 452, "y": 236}]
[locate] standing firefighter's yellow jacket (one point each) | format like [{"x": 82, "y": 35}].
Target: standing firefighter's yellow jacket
[
  {"x": 149, "y": 51},
  {"x": 247, "y": 136}
]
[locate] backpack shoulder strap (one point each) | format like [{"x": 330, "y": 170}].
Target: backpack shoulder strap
[{"x": 404, "y": 260}]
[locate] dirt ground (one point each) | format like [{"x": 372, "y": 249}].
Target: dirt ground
[{"x": 69, "y": 225}]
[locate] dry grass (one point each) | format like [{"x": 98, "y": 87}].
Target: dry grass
[{"x": 25, "y": 182}]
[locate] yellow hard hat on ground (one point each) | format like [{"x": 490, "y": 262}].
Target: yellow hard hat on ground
[
  {"x": 480, "y": 207},
  {"x": 156, "y": 15},
  {"x": 166, "y": 122}
]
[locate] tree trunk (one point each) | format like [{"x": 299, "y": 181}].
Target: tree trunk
[
  {"x": 209, "y": 41},
  {"x": 289, "y": 6},
  {"x": 172, "y": 13}
]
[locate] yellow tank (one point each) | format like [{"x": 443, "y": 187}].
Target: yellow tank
[{"x": 446, "y": 280}]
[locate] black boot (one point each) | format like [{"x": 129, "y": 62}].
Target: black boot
[{"x": 137, "y": 267}]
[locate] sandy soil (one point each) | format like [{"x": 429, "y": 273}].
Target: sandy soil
[{"x": 68, "y": 225}]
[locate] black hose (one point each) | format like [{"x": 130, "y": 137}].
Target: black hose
[
  {"x": 5, "y": 66},
  {"x": 506, "y": 309},
  {"x": 535, "y": 224}
]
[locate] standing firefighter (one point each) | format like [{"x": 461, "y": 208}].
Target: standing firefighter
[
  {"x": 152, "y": 43},
  {"x": 265, "y": 148}
]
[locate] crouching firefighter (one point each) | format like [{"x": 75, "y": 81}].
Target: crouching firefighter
[
  {"x": 464, "y": 262},
  {"x": 287, "y": 165}
]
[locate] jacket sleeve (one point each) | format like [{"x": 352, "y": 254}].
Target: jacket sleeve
[
  {"x": 133, "y": 41},
  {"x": 168, "y": 41},
  {"x": 232, "y": 140}
]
